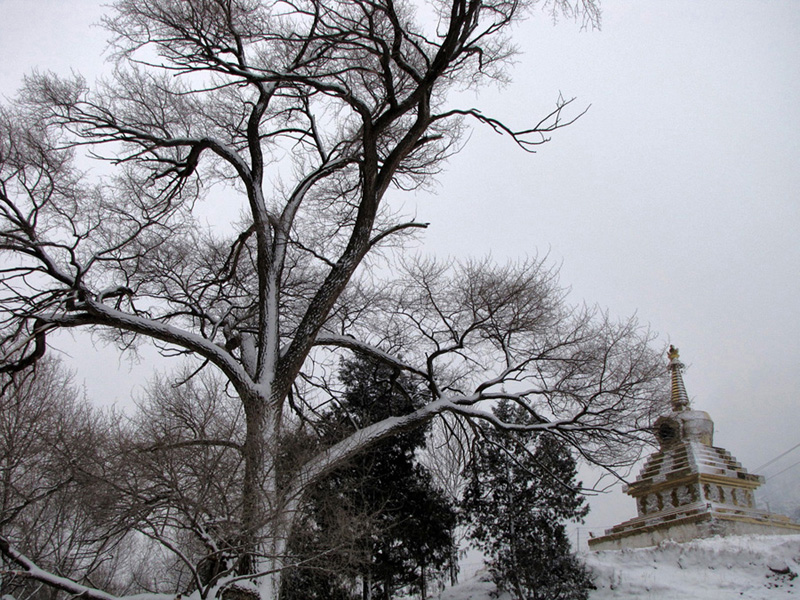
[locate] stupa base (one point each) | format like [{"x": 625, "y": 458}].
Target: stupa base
[{"x": 690, "y": 523}]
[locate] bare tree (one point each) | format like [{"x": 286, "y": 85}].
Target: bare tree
[
  {"x": 304, "y": 118},
  {"x": 47, "y": 435},
  {"x": 180, "y": 478}
]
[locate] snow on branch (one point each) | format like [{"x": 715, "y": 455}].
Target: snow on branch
[
  {"x": 345, "y": 341},
  {"x": 32, "y": 570}
]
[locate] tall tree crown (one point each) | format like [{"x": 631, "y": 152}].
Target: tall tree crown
[{"x": 295, "y": 119}]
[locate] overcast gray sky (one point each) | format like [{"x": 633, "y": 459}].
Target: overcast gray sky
[{"x": 675, "y": 197}]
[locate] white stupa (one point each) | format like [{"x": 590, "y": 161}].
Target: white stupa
[{"x": 690, "y": 489}]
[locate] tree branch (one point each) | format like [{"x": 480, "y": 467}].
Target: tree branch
[{"x": 30, "y": 569}]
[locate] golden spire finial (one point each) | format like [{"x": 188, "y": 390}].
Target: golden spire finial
[{"x": 679, "y": 397}]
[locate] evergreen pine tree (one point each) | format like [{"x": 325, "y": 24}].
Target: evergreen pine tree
[
  {"x": 521, "y": 491},
  {"x": 391, "y": 525}
]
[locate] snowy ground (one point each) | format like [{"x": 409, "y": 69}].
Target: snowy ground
[{"x": 750, "y": 567}]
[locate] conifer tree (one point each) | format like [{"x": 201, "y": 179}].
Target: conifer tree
[
  {"x": 393, "y": 527},
  {"x": 521, "y": 491}
]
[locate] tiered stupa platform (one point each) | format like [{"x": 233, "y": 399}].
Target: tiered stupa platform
[{"x": 690, "y": 488}]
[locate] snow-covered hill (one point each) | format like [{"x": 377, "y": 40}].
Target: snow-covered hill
[
  {"x": 749, "y": 567},
  {"x": 713, "y": 569}
]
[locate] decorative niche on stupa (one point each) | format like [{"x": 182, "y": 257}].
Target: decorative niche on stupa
[{"x": 690, "y": 488}]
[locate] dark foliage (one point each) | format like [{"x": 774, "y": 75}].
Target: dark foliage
[
  {"x": 520, "y": 493},
  {"x": 383, "y": 523}
]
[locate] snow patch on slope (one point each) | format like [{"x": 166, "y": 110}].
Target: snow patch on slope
[
  {"x": 751, "y": 567},
  {"x": 717, "y": 568},
  {"x": 478, "y": 587}
]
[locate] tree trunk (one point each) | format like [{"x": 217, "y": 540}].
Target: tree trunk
[
  {"x": 254, "y": 451},
  {"x": 266, "y": 517},
  {"x": 453, "y": 562},
  {"x": 366, "y": 587}
]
